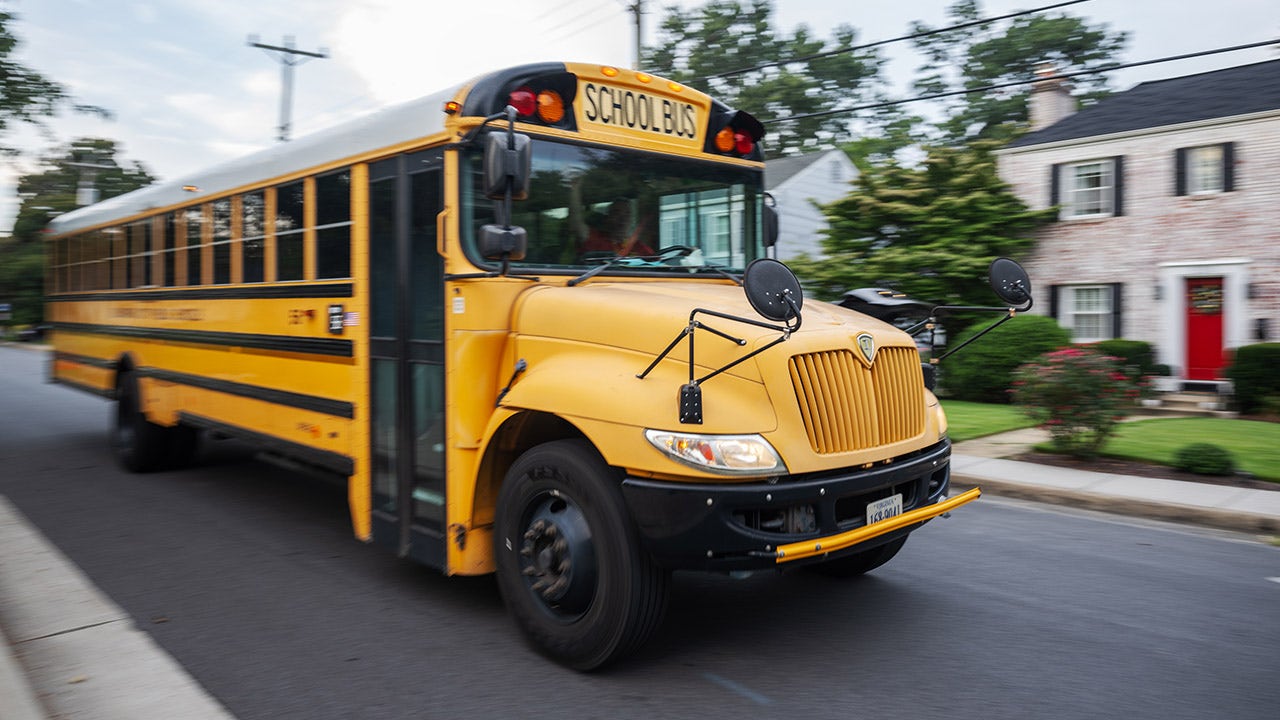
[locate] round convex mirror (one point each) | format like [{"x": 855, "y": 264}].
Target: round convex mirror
[
  {"x": 1010, "y": 281},
  {"x": 772, "y": 289}
]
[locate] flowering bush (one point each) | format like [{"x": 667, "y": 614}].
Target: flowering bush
[{"x": 1078, "y": 395}]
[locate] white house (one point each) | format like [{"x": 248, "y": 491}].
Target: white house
[
  {"x": 797, "y": 182},
  {"x": 1169, "y": 229}
]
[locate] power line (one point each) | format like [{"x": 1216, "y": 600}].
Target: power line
[
  {"x": 913, "y": 36},
  {"x": 1015, "y": 83},
  {"x": 288, "y": 55}
]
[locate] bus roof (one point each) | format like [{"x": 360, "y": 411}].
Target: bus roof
[{"x": 407, "y": 121}]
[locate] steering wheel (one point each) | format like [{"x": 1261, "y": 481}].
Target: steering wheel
[{"x": 671, "y": 252}]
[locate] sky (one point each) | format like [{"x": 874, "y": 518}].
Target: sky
[{"x": 186, "y": 90}]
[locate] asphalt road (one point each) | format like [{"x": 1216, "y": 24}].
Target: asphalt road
[{"x": 248, "y": 575}]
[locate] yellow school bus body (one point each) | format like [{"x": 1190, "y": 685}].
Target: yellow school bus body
[{"x": 289, "y": 364}]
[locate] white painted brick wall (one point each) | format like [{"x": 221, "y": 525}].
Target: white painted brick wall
[{"x": 1162, "y": 237}]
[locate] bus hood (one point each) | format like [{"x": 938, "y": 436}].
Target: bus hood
[{"x": 582, "y": 352}]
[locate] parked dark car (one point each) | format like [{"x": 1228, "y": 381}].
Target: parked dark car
[{"x": 34, "y": 333}]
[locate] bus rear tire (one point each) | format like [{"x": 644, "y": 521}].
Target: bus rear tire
[
  {"x": 138, "y": 443},
  {"x": 860, "y": 563},
  {"x": 569, "y": 563}
]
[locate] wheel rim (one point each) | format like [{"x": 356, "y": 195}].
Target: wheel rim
[{"x": 557, "y": 556}]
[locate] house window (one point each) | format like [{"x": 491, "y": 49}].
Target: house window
[
  {"x": 1205, "y": 169},
  {"x": 1090, "y": 188},
  {"x": 1091, "y": 312}
]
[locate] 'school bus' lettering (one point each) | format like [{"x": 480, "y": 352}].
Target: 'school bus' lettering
[
  {"x": 322, "y": 299},
  {"x": 635, "y": 110}
]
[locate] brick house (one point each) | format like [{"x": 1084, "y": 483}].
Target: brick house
[{"x": 1169, "y": 230}]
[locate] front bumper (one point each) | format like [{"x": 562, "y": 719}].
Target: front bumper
[{"x": 790, "y": 520}]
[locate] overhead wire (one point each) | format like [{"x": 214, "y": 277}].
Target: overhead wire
[
  {"x": 912, "y": 36},
  {"x": 1016, "y": 83}
]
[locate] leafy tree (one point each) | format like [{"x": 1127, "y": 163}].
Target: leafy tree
[
  {"x": 698, "y": 45},
  {"x": 929, "y": 231},
  {"x": 991, "y": 54},
  {"x": 51, "y": 192},
  {"x": 25, "y": 95}
]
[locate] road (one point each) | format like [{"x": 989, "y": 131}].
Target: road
[{"x": 248, "y": 575}]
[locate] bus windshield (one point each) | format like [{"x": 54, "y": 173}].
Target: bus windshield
[{"x": 637, "y": 211}]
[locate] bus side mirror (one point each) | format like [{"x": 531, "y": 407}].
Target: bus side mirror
[
  {"x": 770, "y": 218},
  {"x": 508, "y": 158},
  {"x": 498, "y": 242},
  {"x": 1010, "y": 282}
]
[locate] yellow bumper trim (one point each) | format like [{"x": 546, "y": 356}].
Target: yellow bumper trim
[{"x": 809, "y": 548}]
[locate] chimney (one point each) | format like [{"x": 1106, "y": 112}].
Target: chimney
[{"x": 1051, "y": 99}]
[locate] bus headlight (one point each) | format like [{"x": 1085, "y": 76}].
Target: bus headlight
[{"x": 728, "y": 454}]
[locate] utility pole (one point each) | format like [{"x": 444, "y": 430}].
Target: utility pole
[
  {"x": 637, "y": 8},
  {"x": 288, "y": 55}
]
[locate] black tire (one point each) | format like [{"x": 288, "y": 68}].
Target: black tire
[
  {"x": 139, "y": 445},
  {"x": 182, "y": 443},
  {"x": 569, "y": 564},
  {"x": 861, "y": 563}
]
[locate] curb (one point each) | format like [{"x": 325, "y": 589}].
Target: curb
[
  {"x": 81, "y": 654},
  {"x": 17, "y": 698},
  {"x": 1194, "y": 515}
]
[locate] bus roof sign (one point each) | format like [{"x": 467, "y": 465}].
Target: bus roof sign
[{"x": 616, "y": 107}]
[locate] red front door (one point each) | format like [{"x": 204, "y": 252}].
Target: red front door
[{"x": 1204, "y": 328}]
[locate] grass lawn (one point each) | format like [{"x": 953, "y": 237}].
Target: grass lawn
[
  {"x": 969, "y": 420},
  {"x": 1254, "y": 445}
]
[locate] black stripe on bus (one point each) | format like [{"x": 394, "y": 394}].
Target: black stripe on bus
[
  {"x": 279, "y": 343},
  {"x": 324, "y": 459},
  {"x": 265, "y": 292},
  {"x": 85, "y": 360},
  {"x": 255, "y": 392}
]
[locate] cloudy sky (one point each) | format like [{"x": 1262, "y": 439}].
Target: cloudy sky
[{"x": 187, "y": 91}]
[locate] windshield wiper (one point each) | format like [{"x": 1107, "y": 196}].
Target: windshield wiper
[
  {"x": 719, "y": 270},
  {"x": 616, "y": 259}
]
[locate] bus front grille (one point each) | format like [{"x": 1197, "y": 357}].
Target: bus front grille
[{"x": 847, "y": 406}]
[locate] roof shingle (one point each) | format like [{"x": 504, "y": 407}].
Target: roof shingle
[{"x": 1220, "y": 93}]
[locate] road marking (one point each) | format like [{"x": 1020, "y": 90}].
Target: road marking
[{"x": 742, "y": 690}]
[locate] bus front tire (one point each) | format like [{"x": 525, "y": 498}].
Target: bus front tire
[
  {"x": 138, "y": 443},
  {"x": 569, "y": 564},
  {"x": 860, "y": 563}
]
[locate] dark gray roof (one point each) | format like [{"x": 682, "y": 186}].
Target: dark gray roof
[
  {"x": 779, "y": 170},
  {"x": 1221, "y": 93}
]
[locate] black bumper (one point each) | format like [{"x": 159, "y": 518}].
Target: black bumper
[{"x": 739, "y": 526}]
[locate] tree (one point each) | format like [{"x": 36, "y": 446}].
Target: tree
[
  {"x": 699, "y": 45},
  {"x": 52, "y": 191},
  {"x": 929, "y": 231},
  {"x": 48, "y": 193},
  {"x": 25, "y": 95},
  {"x": 989, "y": 55}
]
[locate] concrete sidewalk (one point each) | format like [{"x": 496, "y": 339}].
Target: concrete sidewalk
[{"x": 69, "y": 652}]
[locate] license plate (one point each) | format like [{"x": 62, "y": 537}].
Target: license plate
[{"x": 884, "y": 509}]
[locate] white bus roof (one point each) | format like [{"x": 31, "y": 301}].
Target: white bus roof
[{"x": 389, "y": 126}]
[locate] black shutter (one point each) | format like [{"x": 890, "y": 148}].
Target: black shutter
[
  {"x": 1054, "y": 173},
  {"x": 1053, "y": 301},
  {"x": 1117, "y": 168},
  {"x": 1228, "y": 166},
  {"x": 1117, "y": 310},
  {"x": 1180, "y": 171}
]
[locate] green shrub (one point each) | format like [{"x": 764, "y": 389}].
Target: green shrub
[
  {"x": 1204, "y": 459},
  {"x": 1136, "y": 354},
  {"x": 1253, "y": 374},
  {"x": 1078, "y": 395},
  {"x": 983, "y": 371}
]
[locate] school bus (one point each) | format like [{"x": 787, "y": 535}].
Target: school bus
[{"x": 427, "y": 302}]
